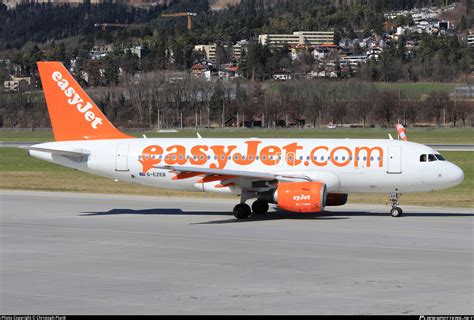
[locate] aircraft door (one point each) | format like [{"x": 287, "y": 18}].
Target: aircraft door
[
  {"x": 394, "y": 159},
  {"x": 121, "y": 157}
]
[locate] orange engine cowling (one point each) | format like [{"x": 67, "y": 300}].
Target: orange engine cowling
[{"x": 301, "y": 196}]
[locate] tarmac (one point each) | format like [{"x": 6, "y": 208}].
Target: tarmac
[{"x": 66, "y": 253}]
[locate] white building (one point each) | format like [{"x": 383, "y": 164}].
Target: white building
[
  {"x": 354, "y": 60},
  {"x": 470, "y": 40},
  {"x": 14, "y": 84},
  {"x": 100, "y": 51},
  {"x": 311, "y": 38},
  {"x": 210, "y": 50}
]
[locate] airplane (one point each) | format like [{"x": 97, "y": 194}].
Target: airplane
[{"x": 298, "y": 175}]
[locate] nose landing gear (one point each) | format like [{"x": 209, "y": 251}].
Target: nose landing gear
[{"x": 395, "y": 211}]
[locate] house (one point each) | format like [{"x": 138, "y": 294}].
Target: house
[
  {"x": 205, "y": 70},
  {"x": 346, "y": 42},
  {"x": 298, "y": 50},
  {"x": 319, "y": 53},
  {"x": 354, "y": 60},
  {"x": 282, "y": 75},
  {"x": 470, "y": 40},
  {"x": 464, "y": 92},
  {"x": 16, "y": 84},
  {"x": 138, "y": 51},
  {"x": 100, "y": 51},
  {"x": 230, "y": 72}
]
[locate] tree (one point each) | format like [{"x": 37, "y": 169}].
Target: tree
[
  {"x": 436, "y": 104},
  {"x": 464, "y": 110},
  {"x": 387, "y": 106}
]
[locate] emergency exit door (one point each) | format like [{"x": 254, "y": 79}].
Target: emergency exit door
[
  {"x": 394, "y": 159},
  {"x": 121, "y": 157}
]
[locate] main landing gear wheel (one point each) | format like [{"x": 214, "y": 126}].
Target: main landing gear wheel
[
  {"x": 260, "y": 207},
  {"x": 396, "y": 212},
  {"x": 242, "y": 211}
]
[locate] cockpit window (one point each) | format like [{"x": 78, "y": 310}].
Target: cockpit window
[
  {"x": 440, "y": 157},
  {"x": 431, "y": 157},
  {"x": 423, "y": 158}
]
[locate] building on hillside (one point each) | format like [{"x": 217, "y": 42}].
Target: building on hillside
[
  {"x": 354, "y": 60},
  {"x": 138, "y": 51},
  {"x": 238, "y": 48},
  {"x": 235, "y": 52},
  {"x": 299, "y": 50},
  {"x": 463, "y": 92},
  {"x": 16, "y": 84},
  {"x": 101, "y": 51},
  {"x": 282, "y": 75},
  {"x": 208, "y": 49},
  {"x": 230, "y": 72},
  {"x": 470, "y": 40},
  {"x": 310, "y": 38}
]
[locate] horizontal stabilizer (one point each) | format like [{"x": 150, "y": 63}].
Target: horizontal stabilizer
[{"x": 60, "y": 152}]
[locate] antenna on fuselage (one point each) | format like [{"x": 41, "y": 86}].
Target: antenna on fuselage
[{"x": 199, "y": 136}]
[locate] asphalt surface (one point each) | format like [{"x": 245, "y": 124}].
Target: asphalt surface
[
  {"x": 439, "y": 147},
  {"x": 100, "y": 254}
]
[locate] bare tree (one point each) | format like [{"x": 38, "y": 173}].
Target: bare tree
[
  {"x": 436, "y": 104},
  {"x": 464, "y": 110},
  {"x": 387, "y": 106}
]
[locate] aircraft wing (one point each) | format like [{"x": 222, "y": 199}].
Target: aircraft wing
[{"x": 184, "y": 172}]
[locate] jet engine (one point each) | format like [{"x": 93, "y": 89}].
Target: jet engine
[
  {"x": 301, "y": 196},
  {"x": 336, "y": 199}
]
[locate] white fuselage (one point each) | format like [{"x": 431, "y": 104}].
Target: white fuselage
[{"x": 344, "y": 165}]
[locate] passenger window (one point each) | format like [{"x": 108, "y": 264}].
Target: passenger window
[
  {"x": 423, "y": 158},
  {"x": 440, "y": 157},
  {"x": 431, "y": 157}
]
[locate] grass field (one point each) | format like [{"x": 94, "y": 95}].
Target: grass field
[
  {"x": 19, "y": 171},
  {"x": 416, "y": 90},
  {"x": 421, "y": 135}
]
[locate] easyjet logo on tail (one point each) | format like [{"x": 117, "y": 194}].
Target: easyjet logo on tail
[
  {"x": 73, "y": 114},
  {"x": 74, "y": 99}
]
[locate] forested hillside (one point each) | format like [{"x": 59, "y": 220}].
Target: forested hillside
[{"x": 39, "y": 23}]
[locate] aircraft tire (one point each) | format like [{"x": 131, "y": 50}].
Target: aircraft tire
[
  {"x": 260, "y": 207},
  {"x": 396, "y": 212},
  {"x": 242, "y": 211}
]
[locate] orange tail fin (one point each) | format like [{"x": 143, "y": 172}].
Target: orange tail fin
[{"x": 74, "y": 116}]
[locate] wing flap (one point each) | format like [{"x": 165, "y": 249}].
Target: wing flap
[{"x": 226, "y": 174}]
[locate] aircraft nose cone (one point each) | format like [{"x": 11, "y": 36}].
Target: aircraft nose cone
[{"x": 456, "y": 175}]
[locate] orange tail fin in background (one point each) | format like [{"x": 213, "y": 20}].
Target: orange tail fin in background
[{"x": 74, "y": 116}]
